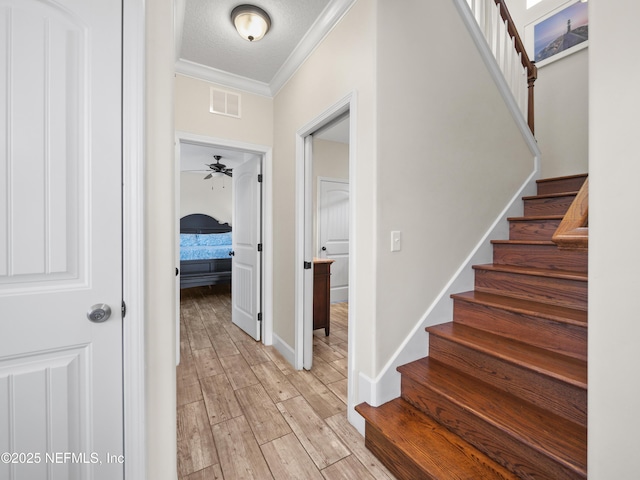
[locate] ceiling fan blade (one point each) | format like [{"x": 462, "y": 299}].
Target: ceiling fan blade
[
  {"x": 208, "y": 177},
  {"x": 228, "y": 173}
]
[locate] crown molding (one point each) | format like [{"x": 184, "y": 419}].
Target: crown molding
[
  {"x": 329, "y": 17},
  {"x": 202, "y": 72}
]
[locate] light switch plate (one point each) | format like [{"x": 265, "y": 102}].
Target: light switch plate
[{"x": 396, "y": 241}]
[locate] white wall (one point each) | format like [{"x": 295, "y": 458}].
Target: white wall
[
  {"x": 562, "y": 115},
  {"x": 343, "y": 63},
  {"x": 614, "y": 253},
  {"x": 561, "y": 100},
  {"x": 160, "y": 257},
  {"x": 450, "y": 158},
  {"x": 330, "y": 160},
  {"x": 192, "y": 114},
  {"x": 212, "y": 197}
]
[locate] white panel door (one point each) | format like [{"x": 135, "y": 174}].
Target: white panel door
[
  {"x": 246, "y": 264},
  {"x": 333, "y": 233},
  {"x": 60, "y": 239}
]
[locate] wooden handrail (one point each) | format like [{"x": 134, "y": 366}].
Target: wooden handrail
[
  {"x": 532, "y": 70},
  {"x": 573, "y": 232}
]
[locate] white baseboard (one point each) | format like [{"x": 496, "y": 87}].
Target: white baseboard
[
  {"x": 285, "y": 350},
  {"x": 386, "y": 386}
]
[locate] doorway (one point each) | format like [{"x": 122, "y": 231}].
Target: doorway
[
  {"x": 236, "y": 155},
  {"x": 342, "y": 110}
]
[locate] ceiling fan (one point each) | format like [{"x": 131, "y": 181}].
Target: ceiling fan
[{"x": 218, "y": 168}]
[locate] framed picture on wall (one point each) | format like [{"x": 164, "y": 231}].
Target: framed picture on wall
[{"x": 561, "y": 32}]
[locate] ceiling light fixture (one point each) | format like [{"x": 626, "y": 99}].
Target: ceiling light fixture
[{"x": 251, "y": 22}]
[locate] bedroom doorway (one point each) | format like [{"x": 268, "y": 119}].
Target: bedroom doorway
[
  {"x": 194, "y": 155},
  {"x": 312, "y": 160}
]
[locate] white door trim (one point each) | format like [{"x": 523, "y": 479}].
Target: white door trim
[
  {"x": 133, "y": 138},
  {"x": 267, "y": 209},
  {"x": 346, "y": 104}
]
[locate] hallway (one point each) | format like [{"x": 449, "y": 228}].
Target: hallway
[{"x": 244, "y": 412}]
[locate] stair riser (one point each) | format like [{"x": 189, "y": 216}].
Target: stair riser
[
  {"x": 547, "y": 206},
  {"x": 570, "y": 340},
  {"x": 540, "y": 256},
  {"x": 532, "y": 229},
  {"x": 560, "y": 185},
  {"x": 401, "y": 465},
  {"x": 556, "y": 396},
  {"x": 555, "y": 291},
  {"x": 504, "y": 448}
]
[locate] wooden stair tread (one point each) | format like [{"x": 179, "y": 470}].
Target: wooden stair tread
[
  {"x": 567, "y": 369},
  {"x": 563, "y": 177},
  {"x": 535, "y": 217},
  {"x": 526, "y": 307},
  {"x": 524, "y": 242},
  {"x": 558, "y": 184},
  {"x": 438, "y": 452},
  {"x": 551, "y": 195},
  {"x": 538, "y": 272},
  {"x": 550, "y": 434}
]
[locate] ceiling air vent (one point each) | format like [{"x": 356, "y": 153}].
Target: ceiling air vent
[{"x": 224, "y": 103}]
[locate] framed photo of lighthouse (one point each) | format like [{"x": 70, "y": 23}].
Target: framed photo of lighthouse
[{"x": 561, "y": 32}]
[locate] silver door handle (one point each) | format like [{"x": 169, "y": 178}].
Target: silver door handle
[{"x": 99, "y": 313}]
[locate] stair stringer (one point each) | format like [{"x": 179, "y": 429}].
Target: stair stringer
[{"x": 386, "y": 385}]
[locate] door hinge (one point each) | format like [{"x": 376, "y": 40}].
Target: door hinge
[
  {"x": 259, "y": 178},
  {"x": 307, "y": 265},
  {"x": 123, "y": 309},
  {"x": 260, "y": 316},
  {"x": 259, "y": 247}
]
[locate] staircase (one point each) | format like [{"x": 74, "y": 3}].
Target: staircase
[{"x": 503, "y": 392}]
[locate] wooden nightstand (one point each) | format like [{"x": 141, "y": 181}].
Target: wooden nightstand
[{"x": 321, "y": 293}]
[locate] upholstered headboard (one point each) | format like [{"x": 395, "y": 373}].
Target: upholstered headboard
[{"x": 201, "y": 223}]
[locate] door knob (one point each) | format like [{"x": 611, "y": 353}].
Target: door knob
[
  {"x": 324, "y": 249},
  {"x": 99, "y": 313}
]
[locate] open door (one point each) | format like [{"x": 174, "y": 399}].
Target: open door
[
  {"x": 61, "y": 309},
  {"x": 308, "y": 256},
  {"x": 246, "y": 266}
]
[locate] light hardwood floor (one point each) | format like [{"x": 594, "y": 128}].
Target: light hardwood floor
[{"x": 244, "y": 412}]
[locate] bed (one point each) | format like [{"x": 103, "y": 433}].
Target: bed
[{"x": 205, "y": 248}]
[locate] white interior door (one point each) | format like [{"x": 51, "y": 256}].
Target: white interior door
[
  {"x": 246, "y": 264},
  {"x": 60, "y": 239},
  {"x": 307, "y": 347},
  {"x": 333, "y": 233}
]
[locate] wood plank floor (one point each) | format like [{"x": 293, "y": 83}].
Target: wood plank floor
[{"x": 244, "y": 412}]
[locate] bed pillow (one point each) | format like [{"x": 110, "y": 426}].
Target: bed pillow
[
  {"x": 214, "y": 239},
  {"x": 188, "y": 239}
]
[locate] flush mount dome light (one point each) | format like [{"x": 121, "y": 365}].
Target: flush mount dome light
[{"x": 251, "y": 22}]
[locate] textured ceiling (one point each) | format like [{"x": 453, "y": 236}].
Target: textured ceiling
[
  {"x": 209, "y": 38},
  {"x": 209, "y": 47}
]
